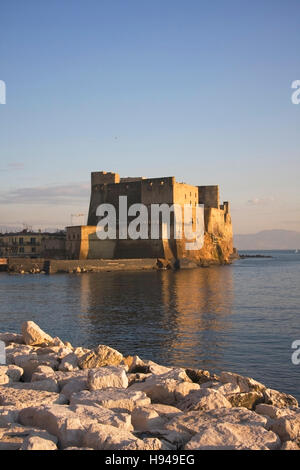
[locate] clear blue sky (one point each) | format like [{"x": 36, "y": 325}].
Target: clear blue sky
[{"x": 194, "y": 89}]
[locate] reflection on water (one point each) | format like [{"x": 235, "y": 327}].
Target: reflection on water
[
  {"x": 178, "y": 316},
  {"x": 242, "y": 318}
]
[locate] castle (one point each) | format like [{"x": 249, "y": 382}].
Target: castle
[{"x": 106, "y": 188}]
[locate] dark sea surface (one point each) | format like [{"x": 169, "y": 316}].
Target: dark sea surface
[{"x": 241, "y": 318}]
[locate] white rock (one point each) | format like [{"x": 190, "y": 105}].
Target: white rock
[
  {"x": 37, "y": 443},
  {"x": 8, "y": 415},
  {"x": 43, "y": 373},
  {"x": 275, "y": 413},
  {"x": 113, "y": 398},
  {"x": 74, "y": 386},
  {"x": 287, "y": 428},
  {"x": 30, "y": 363},
  {"x": 168, "y": 388},
  {"x": 32, "y": 334},
  {"x": 12, "y": 437},
  {"x": 148, "y": 443},
  {"x": 57, "y": 420},
  {"x": 246, "y": 384},
  {"x": 204, "y": 399},
  {"x": 10, "y": 396},
  {"x": 69, "y": 362},
  {"x": 184, "y": 426},
  {"x": 8, "y": 338},
  {"x": 281, "y": 400},
  {"x": 105, "y": 437},
  {"x": 229, "y": 436},
  {"x": 225, "y": 389},
  {"x": 110, "y": 376},
  {"x": 99, "y": 357},
  {"x": 146, "y": 419},
  {"x": 10, "y": 373},
  {"x": 99, "y": 414},
  {"x": 48, "y": 385}
]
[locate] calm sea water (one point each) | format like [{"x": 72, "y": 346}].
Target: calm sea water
[{"x": 241, "y": 318}]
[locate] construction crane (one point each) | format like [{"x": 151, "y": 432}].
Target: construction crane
[{"x": 77, "y": 215}]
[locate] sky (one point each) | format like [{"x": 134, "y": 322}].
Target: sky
[{"x": 193, "y": 89}]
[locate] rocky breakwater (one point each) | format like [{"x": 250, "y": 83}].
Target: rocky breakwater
[{"x": 56, "y": 396}]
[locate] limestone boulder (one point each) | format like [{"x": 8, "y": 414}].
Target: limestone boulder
[
  {"x": 104, "y": 377},
  {"x": 273, "y": 412},
  {"x": 10, "y": 373},
  {"x": 43, "y": 373},
  {"x": 48, "y": 385},
  {"x": 23, "y": 398},
  {"x": 33, "y": 335},
  {"x": 101, "y": 356},
  {"x": 98, "y": 414},
  {"x": 168, "y": 388},
  {"x": 165, "y": 411},
  {"x": 204, "y": 399},
  {"x": 246, "y": 384},
  {"x": 230, "y": 436},
  {"x": 184, "y": 426},
  {"x": 287, "y": 427},
  {"x": 148, "y": 443},
  {"x": 146, "y": 419},
  {"x": 278, "y": 399},
  {"x": 226, "y": 389},
  {"x": 30, "y": 363},
  {"x": 63, "y": 378},
  {"x": 105, "y": 437},
  {"x": 74, "y": 386},
  {"x": 247, "y": 399},
  {"x": 8, "y": 338},
  {"x": 37, "y": 443},
  {"x": 69, "y": 362},
  {"x": 290, "y": 445},
  {"x": 113, "y": 398},
  {"x": 8, "y": 415},
  {"x": 59, "y": 421},
  {"x": 13, "y": 437}
]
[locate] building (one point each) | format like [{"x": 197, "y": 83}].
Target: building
[
  {"x": 28, "y": 244},
  {"x": 82, "y": 241}
]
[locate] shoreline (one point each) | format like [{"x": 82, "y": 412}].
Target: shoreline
[{"x": 56, "y": 396}]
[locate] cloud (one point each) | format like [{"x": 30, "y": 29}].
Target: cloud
[
  {"x": 64, "y": 194},
  {"x": 13, "y": 166},
  {"x": 260, "y": 201}
]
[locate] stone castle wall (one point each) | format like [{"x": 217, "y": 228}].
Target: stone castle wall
[{"x": 108, "y": 187}]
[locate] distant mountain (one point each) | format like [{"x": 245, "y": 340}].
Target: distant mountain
[{"x": 268, "y": 240}]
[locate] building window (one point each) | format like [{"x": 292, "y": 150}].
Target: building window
[
  {"x": 21, "y": 250},
  {"x": 33, "y": 249},
  {"x": 32, "y": 241},
  {"x": 21, "y": 241}
]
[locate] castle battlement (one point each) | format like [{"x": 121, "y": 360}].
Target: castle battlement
[{"x": 107, "y": 187}]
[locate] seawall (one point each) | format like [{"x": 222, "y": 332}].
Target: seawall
[{"x": 53, "y": 266}]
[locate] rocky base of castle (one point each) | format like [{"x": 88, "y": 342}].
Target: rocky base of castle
[{"x": 56, "y": 396}]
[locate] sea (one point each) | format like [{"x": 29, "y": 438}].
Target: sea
[{"x": 242, "y": 317}]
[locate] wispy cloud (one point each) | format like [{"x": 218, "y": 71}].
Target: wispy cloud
[
  {"x": 63, "y": 194},
  {"x": 260, "y": 201},
  {"x": 13, "y": 166}
]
